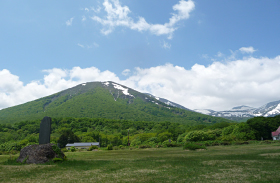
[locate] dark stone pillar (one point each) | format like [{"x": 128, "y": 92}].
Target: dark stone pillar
[{"x": 45, "y": 130}]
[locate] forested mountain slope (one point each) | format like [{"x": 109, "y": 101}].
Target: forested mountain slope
[{"x": 103, "y": 100}]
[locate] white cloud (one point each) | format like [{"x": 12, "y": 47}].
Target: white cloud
[
  {"x": 84, "y": 18},
  {"x": 166, "y": 45},
  {"x": 126, "y": 72},
  {"x": 86, "y": 9},
  {"x": 69, "y": 22},
  {"x": 249, "y": 81},
  {"x": 13, "y": 92},
  {"x": 117, "y": 15},
  {"x": 93, "y": 45},
  {"x": 80, "y": 45},
  {"x": 96, "y": 10},
  {"x": 247, "y": 49},
  {"x": 219, "y": 54},
  {"x": 205, "y": 56}
]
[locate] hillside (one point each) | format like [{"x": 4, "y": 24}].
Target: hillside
[{"x": 103, "y": 100}]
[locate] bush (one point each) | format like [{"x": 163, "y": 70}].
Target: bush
[
  {"x": 72, "y": 149},
  {"x": 192, "y": 146},
  {"x": 225, "y": 143},
  {"x": 170, "y": 144},
  {"x": 92, "y": 148},
  {"x": 173, "y": 145},
  {"x": 136, "y": 141},
  {"x": 110, "y": 147},
  {"x": 64, "y": 150},
  {"x": 266, "y": 142},
  {"x": 144, "y": 146},
  {"x": 55, "y": 160},
  {"x": 240, "y": 142},
  {"x": 164, "y": 136},
  {"x": 152, "y": 140},
  {"x": 121, "y": 147}
]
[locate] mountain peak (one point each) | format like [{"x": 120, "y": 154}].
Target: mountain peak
[{"x": 103, "y": 100}]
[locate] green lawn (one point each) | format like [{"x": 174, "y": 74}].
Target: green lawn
[{"x": 243, "y": 163}]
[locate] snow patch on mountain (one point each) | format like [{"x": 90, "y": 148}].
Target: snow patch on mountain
[
  {"x": 106, "y": 83},
  {"x": 203, "y": 111},
  {"x": 173, "y": 104},
  {"x": 274, "y": 111},
  {"x": 124, "y": 90}
]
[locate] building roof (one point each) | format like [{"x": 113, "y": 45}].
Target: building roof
[
  {"x": 78, "y": 144},
  {"x": 276, "y": 133}
]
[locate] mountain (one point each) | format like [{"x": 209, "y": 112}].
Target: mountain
[
  {"x": 168, "y": 102},
  {"x": 103, "y": 100},
  {"x": 245, "y": 112}
]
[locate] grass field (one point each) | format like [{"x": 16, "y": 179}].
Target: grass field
[{"x": 243, "y": 163}]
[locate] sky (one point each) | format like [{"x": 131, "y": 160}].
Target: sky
[{"x": 200, "y": 54}]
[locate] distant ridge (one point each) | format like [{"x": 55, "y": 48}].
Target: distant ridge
[{"x": 243, "y": 112}]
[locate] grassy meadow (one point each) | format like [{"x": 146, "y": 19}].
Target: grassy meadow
[{"x": 235, "y": 163}]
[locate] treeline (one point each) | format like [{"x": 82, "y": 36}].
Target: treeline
[{"x": 153, "y": 134}]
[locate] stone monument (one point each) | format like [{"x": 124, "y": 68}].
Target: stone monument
[{"x": 45, "y": 130}]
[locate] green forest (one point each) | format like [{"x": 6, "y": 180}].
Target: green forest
[{"x": 13, "y": 137}]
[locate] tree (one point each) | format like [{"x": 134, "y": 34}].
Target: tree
[{"x": 67, "y": 137}]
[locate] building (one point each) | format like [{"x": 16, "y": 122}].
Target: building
[
  {"x": 276, "y": 135},
  {"x": 82, "y": 145}
]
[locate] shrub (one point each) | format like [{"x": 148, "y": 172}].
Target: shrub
[
  {"x": 153, "y": 140},
  {"x": 136, "y": 141},
  {"x": 115, "y": 148},
  {"x": 64, "y": 150},
  {"x": 228, "y": 130},
  {"x": 215, "y": 143},
  {"x": 170, "y": 144},
  {"x": 239, "y": 142},
  {"x": 266, "y": 142},
  {"x": 92, "y": 148},
  {"x": 55, "y": 160},
  {"x": 193, "y": 146},
  {"x": 72, "y": 149},
  {"x": 144, "y": 146},
  {"x": 174, "y": 145},
  {"x": 164, "y": 136},
  {"x": 25, "y": 159},
  {"x": 56, "y": 149},
  {"x": 225, "y": 143},
  {"x": 207, "y": 143},
  {"x": 110, "y": 147},
  {"x": 196, "y": 136},
  {"x": 121, "y": 147}
]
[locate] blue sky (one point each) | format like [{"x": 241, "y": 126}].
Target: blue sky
[{"x": 48, "y": 46}]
